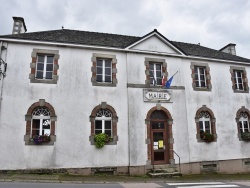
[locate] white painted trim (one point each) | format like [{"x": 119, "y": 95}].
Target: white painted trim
[{"x": 123, "y": 50}]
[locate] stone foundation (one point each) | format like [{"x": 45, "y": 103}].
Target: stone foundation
[{"x": 224, "y": 166}]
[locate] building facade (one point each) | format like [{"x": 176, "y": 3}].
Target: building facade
[{"x": 71, "y": 85}]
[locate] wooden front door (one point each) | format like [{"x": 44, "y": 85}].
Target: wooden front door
[{"x": 159, "y": 142}]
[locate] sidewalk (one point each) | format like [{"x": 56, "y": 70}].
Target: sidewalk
[{"x": 62, "y": 178}]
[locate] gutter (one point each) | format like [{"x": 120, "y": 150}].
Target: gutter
[{"x": 58, "y": 44}]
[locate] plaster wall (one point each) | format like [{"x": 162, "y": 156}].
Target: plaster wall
[
  {"x": 73, "y": 99},
  {"x": 154, "y": 44},
  {"x": 224, "y": 103}
]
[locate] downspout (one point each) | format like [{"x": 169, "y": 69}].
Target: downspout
[
  {"x": 1, "y": 78},
  {"x": 1, "y": 74},
  {"x": 128, "y": 114}
]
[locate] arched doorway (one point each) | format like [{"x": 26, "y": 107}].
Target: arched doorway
[{"x": 159, "y": 133}]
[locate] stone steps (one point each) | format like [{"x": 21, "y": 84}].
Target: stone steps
[
  {"x": 164, "y": 174},
  {"x": 164, "y": 171}
]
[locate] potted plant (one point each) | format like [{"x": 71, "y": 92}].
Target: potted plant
[
  {"x": 101, "y": 139},
  {"x": 245, "y": 136},
  {"x": 207, "y": 137},
  {"x": 37, "y": 139}
]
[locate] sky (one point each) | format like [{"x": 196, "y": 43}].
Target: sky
[{"x": 212, "y": 23}]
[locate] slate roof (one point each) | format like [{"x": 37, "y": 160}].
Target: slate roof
[{"x": 118, "y": 41}]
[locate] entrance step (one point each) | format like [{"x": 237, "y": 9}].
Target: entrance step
[{"x": 164, "y": 171}]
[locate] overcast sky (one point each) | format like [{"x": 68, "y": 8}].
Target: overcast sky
[{"x": 212, "y": 23}]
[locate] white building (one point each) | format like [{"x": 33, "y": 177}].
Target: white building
[{"x": 73, "y": 84}]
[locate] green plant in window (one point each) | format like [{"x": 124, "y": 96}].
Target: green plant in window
[
  {"x": 207, "y": 137},
  {"x": 101, "y": 139},
  {"x": 245, "y": 136}
]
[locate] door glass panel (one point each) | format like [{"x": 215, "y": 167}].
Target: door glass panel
[
  {"x": 158, "y": 146},
  {"x": 157, "y": 125},
  {"x": 158, "y": 140}
]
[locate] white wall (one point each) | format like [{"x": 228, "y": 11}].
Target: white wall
[{"x": 73, "y": 99}]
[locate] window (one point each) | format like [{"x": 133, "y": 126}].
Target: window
[
  {"x": 103, "y": 119},
  {"x": 156, "y": 70},
  {"x": 205, "y": 123},
  {"x": 44, "y": 66},
  {"x": 103, "y": 122},
  {"x": 155, "y": 73},
  {"x": 104, "y": 70},
  {"x": 239, "y": 79},
  {"x": 244, "y": 124},
  {"x": 40, "y": 121},
  {"x": 201, "y": 76},
  {"x": 242, "y": 120}
]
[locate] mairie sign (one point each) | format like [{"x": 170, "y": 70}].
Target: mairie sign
[{"x": 157, "y": 95}]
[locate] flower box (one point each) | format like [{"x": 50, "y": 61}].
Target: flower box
[
  {"x": 207, "y": 137},
  {"x": 245, "y": 136},
  {"x": 37, "y": 139}
]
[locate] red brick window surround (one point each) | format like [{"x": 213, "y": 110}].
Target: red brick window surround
[
  {"x": 239, "y": 79},
  {"x": 155, "y": 69},
  {"x": 44, "y": 66},
  {"x": 205, "y": 122},
  {"x": 107, "y": 126},
  {"x": 104, "y": 70},
  {"x": 33, "y": 126},
  {"x": 201, "y": 79},
  {"x": 242, "y": 120}
]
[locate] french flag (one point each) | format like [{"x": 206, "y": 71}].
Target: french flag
[{"x": 163, "y": 81}]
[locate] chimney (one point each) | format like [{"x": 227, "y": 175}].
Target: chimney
[
  {"x": 230, "y": 48},
  {"x": 19, "y": 25}
]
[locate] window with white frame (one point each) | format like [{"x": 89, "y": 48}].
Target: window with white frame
[
  {"x": 244, "y": 124},
  {"x": 155, "y": 73},
  {"x": 204, "y": 123},
  {"x": 40, "y": 122},
  {"x": 44, "y": 66},
  {"x": 104, "y": 70},
  {"x": 238, "y": 80},
  {"x": 200, "y": 77},
  {"x": 103, "y": 122}
]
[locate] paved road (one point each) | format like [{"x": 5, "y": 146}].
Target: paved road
[{"x": 242, "y": 184}]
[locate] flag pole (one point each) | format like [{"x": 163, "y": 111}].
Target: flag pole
[{"x": 175, "y": 73}]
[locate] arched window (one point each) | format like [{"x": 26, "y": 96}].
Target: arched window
[
  {"x": 205, "y": 123},
  {"x": 104, "y": 119},
  {"x": 244, "y": 124},
  {"x": 40, "y": 124},
  {"x": 103, "y": 122},
  {"x": 242, "y": 120}
]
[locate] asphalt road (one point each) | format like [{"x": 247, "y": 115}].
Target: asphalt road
[{"x": 242, "y": 184}]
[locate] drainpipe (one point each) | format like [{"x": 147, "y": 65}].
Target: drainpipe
[
  {"x": 128, "y": 115},
  {"x": 1, "y": 74},
  {"x": 1, "y": 44}
]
